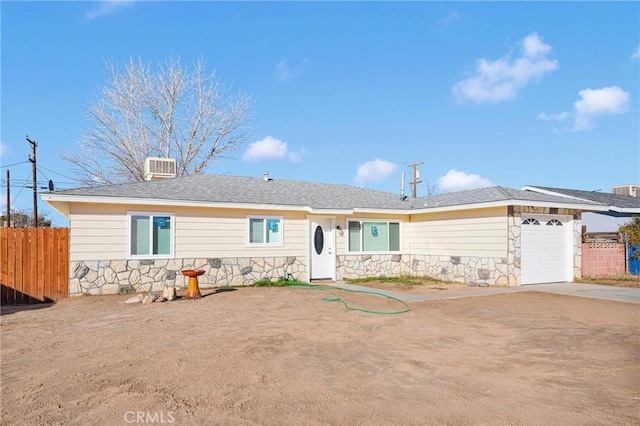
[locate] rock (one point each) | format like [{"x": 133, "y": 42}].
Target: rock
[
  {"x": 483, "y": 284},
  {"x": 160, "y": 300},
  {"x": 169, "y": 293},
  {"x": 135, "y": 299},
  {"x": 484, "y": 274},
  {"x": 81, "y": 271},
  {"x": 150, "y": 298},
  {"x": 472, "y": 284}
]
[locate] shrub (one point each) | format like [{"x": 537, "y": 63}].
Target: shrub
[{"x": 632, "y": 229}]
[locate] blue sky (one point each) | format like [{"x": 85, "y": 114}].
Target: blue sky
[{"x": 484, "y": 93}]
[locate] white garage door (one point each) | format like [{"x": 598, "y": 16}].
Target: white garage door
[{"x": 544, "y": 248}]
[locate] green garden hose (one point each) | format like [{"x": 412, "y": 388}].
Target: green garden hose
[{"x": 337, "y": 298}]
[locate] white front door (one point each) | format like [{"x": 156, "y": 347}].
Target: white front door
[
  {"x": 545, "y": 255},
  {"x": 323, "y": 259}
]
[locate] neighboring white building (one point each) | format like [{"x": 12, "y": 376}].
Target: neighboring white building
[{"x": 623, "y": 205}]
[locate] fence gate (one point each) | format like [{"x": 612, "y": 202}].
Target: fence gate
[
  {"x": 634, "y": 261},
  {"x": 34, "y": 265}
]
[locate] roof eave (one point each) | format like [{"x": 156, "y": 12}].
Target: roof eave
[
  {"x": 364, "y": 210},
  {"x": 57, "y": 199},
  {"x": 547, "y": 192},
  {"x": 506, "y": 203},
  {"x": 630, "y": 210},
  {"x": 61, "y": 204},
  {"x": 61, "y": 207}
]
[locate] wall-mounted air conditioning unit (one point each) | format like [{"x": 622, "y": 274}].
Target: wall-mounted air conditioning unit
[
  {"x": 159, "y": 168},
  {"x": 632, "y": 190}
]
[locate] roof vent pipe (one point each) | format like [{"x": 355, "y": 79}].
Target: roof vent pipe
[{"x": 266, "y": 176}]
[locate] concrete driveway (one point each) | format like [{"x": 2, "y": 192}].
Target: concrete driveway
[
  {"x": 617, "y": 294},
  {"x": 594, "y": 291}
]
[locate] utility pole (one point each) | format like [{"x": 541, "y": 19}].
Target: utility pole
[
  {"x": 416, "y": 176},
  {"x": 32, "y": 158},
  {"x": 8, "y": 199}
]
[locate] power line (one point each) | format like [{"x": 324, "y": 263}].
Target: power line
[
  {"x": 27, "y": 183},
  {"x": 18, "y": 195},
  {"x": 14, "y": 164},
  {"x": 41, "y": 172},
  {"x": 53, "y": 171}
]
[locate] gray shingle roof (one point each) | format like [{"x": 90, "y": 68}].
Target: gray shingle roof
[
  {"x": 609, "y": 199},
  {"x": 249, "y": 190},
  {"x": 493, "y": 194}
]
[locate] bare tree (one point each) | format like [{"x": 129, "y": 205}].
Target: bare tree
[
  {"x": 431, "y": 189},
  {"x": 170, "y": 112},
  {"x": 24, "y": 219}
]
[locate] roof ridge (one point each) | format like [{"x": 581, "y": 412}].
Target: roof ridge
[{"x": 506, "y": 192}]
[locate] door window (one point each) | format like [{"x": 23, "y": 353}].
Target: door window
[{"x": 318, "y": 239}]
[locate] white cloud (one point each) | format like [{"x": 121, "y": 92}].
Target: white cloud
[
  {"x": 374, "y": 171},
  {"x": 534, "y": 47},
  {"x": 107, "y": 7},
  {"x": 271, "y": 148},
  {"x": 298, "y": 156},
  {"x": 561, "y": 116},
  {"x": 266, "y": 149},
  {"x": 597, "y": 102},
  {"x": 500, "y": 80},
  {"x": 450, "y": 19},
  {"x": 636, "y": 54},
  {"x": 285, "y": 71},
  {"x": 456, "y": 180}
]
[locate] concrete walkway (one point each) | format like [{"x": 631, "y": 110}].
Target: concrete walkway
[{"x": 618, "y": 294}]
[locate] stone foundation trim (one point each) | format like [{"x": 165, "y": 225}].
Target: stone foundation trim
[
  {"x": 465, "y": 269},
  {"x": 142, "y": 276}
]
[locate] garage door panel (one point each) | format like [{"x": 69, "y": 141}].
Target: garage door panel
[{"x": 543, "y": 249}]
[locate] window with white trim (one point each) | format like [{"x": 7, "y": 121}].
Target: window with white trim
[
  {"x": 373, "y": 236},
  {"x": 264, "y": 230},
  {"x": 150, "y": 235}
]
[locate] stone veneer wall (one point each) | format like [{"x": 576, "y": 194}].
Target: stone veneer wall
[
  {"x": 577, "y": 246},
  {"x": 372, "y": 265},
  {"x": 492, "y": 271},
  {"x": 141, "y": 276},
  {"x": 464, "y": 269}
]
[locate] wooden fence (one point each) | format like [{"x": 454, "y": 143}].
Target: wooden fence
[{"x": 34, "y": 265}]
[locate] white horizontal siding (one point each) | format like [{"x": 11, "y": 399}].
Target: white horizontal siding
[
  {"x": 97, "y": 233},
  {"x": 225, "y": 235},
  {"x": 478, "y": 233},
  {"x": 100, "y": 232}
]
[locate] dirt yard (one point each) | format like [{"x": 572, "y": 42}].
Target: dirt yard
[{"x": 282, "y": 356}]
